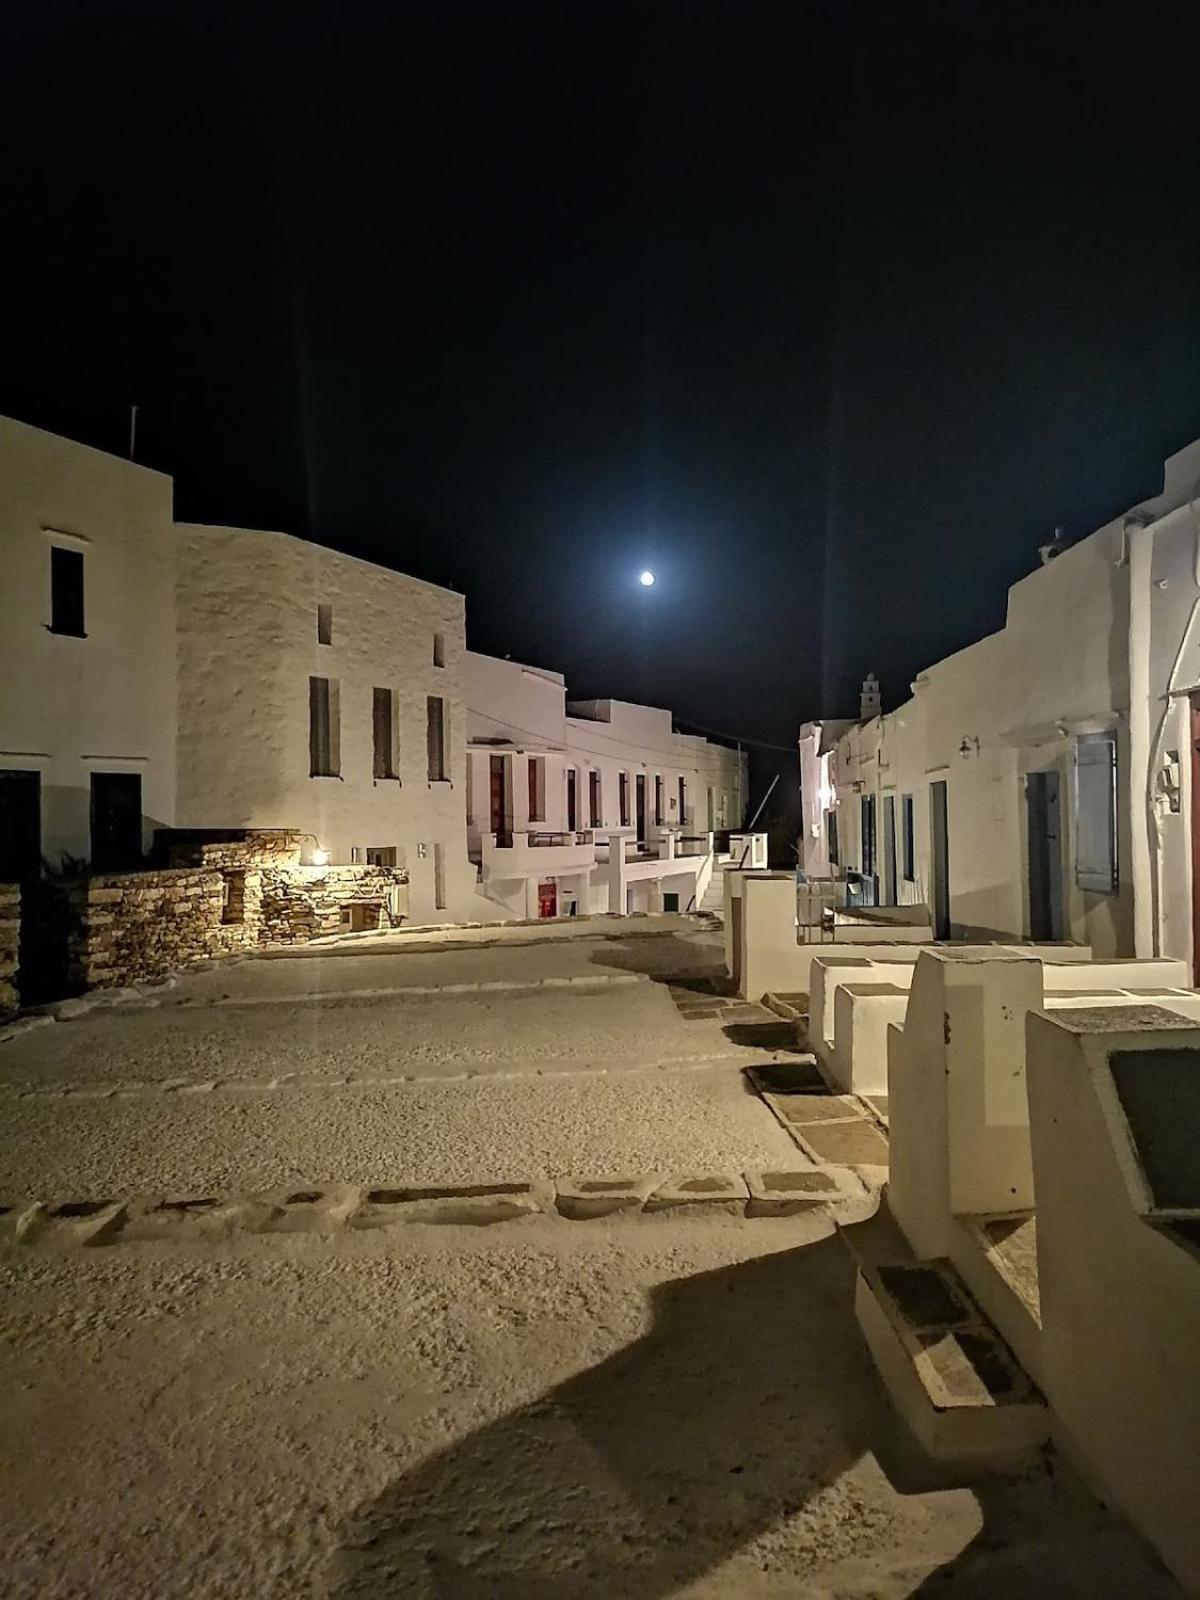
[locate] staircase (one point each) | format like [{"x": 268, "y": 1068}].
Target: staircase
[{"x": 713, "y": 902}]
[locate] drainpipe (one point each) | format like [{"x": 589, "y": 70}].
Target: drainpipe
[{"x": 1143, "y": 866}]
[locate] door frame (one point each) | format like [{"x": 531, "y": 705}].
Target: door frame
[{"x": 939, "y": 858}]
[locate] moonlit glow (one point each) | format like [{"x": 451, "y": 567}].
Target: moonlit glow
[{"x": 646, "y": 579}]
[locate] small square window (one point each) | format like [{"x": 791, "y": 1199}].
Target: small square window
[{"x": 324, "y": 623}]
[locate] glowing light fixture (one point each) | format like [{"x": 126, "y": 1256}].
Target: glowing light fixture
[
  {"x": 646, "y": 579},
  {"x": 320, "y": 858}
]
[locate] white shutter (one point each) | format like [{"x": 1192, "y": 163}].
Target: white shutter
[{"x": 1096, "y": 812}]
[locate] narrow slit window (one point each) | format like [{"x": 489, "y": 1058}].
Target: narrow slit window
[
  {"x": 439, "y": 649},
  {"x": 909, "y": 865},
  {"x": 623, "y": 798},
  {"x": 435, "y": 737},
  {"x": 66, "y": 591},
  {"x": 383, "y": 718},
  {"x": 658, "y": 799},
  {"x": 323, "y": 732},
  {"x": 682, "y": 800},
  {"x": 324, "y": 623},
  {"x": 594, "y": 815}
]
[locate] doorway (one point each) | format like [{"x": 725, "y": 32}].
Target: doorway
[
  {"x": 572, "y": 800},
  {"x": 640, "y": 800},
  {"x": 548, "y": 898},
  {"x": 939, "y": 824},
  {"x": 870, "y": 883},
  {"x": 499, "y": 814},
  {"x": 116, "y": 821},
  {"x": 889, "y": 850},
  {"x": 1043, "y": 814}
]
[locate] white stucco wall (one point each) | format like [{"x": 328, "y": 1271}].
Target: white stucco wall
[
  {"x": 247, "y": 647},
  {"x": 104, "y": 703}
]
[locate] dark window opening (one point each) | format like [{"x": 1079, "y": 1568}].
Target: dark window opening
[
  {"x": 66, "y": 591},
  {"x": 322, "y": 729},
  {"x": 20, "y": 825},
  {"x": 683, "y": 800},
  {"x": 383, "y": 720},
  {"x": 116, "y": 815},
  {"x": 380, "y": 855},
  {"x": 658, "y": 799},
  {"x": 623, "y": 798},
  {"x": 594, "y": 798},
  {"x": 439, "y": 649},
  {"x": 324, "y": 623},
  {"x": 233, "y": 910},
  {"x": 908, "y": 836},
  {"x": 435, "y": 737},
  {"x": 831, "y": 834}
]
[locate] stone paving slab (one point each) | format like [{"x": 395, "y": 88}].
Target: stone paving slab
[
  {"x": 850, "y": 1144},
  {"x": 800, "y": 1109}
]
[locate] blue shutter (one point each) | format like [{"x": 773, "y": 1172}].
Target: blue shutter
[{"x": 1096, "y": 812}]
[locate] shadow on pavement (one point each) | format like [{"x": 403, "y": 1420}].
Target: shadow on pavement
[
  {"x": 749, "y": 1412},
  {"x": 750, "y": 1394}
]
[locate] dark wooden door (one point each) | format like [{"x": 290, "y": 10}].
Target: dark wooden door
[
  {"x": 572, "y": 800},
  {"x": 20, "y": 826},
  {"x": 939, "y": 822},
  {"x": 1043, "y": 812},
  {"x": 499, "y": 820},
  {"x": 116, "y": 821}
]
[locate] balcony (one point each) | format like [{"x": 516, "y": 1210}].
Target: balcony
[{"x": 537, "y": 854}]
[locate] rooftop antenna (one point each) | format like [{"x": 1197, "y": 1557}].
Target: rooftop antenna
[{"x": 133, "y": 411}]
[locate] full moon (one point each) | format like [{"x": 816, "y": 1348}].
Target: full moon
[{"x": 646, "y": 579}]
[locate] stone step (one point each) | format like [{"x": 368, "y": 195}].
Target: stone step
[{"x": 951, "y": 1377}]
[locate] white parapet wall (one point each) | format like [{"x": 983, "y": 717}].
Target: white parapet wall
[{"x": 1115, "y": 1118}]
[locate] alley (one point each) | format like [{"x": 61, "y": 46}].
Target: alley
[{"x": 639, "y": 1406}]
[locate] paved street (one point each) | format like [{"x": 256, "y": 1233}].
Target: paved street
[{"x": 645, "y": 1406}]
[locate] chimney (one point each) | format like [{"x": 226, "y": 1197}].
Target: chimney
[
  {"x": 1057, "y": 545},
  {"x": 869, "y": 704}
]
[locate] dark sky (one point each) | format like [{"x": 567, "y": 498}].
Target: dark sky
[{"x": 829, "y": 313}]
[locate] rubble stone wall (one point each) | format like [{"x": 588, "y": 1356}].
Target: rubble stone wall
[
  {"x": 132, "y": 927},
  {"x": 143, "y": 925},
  {"x": 230, "y": 847},
  {"x": 10, "y": 934}
]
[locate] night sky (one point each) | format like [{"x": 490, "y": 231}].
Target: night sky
[{"x": 828, "y": 314}]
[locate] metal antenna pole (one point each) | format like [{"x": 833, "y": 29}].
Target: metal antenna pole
[{"x": 133, "y": 411}]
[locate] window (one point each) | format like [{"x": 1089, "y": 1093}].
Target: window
[
  {"x": 439, "y": 877},
  {"x": 380, "y": 855},
  {"x": 323, "y": 732},
  {"x": 439, "y": 649},
  {"x": 623, "y": 798},
  {"x": 683, "y": 800},
  {"x": 867, "y": 840},
  {"x": 831, "y": 833},
  {"x": 594, "y": 815},
  {"x": 324, "y": 623},
  {"x": 116, "y": 816},
  {"x": 384, "y": 724},
  {"x": 908, "y": 834},
  {"x": 658, "y": 799},
  {"x": 1096, "y": 812},
  {"x": 537, "y": 789},
  {"x": 233, "y": 907},
  {"x": 435, "y": 737},
  {"x": 66, "y": 591}
]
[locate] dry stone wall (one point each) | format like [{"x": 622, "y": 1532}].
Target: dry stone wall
[
  {"x": 10, "y": 934},
  {"x": 224, "y": 894},
  {"x": 136, "y": 926}
]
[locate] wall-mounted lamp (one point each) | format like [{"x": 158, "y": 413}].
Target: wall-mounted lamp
[{"x": 320, "y": 858}]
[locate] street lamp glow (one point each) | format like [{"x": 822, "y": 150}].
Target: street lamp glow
[{"x": 646, "y": 579}]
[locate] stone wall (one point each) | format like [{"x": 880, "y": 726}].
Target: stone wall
[
  {"x": 10, "y": 934},
  {"x": 229, "y": 847},
  {"x": 141, "y": 925},
  {"x": 131, "y": 927}
]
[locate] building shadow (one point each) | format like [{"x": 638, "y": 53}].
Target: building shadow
[{"x": 749, "y": 1395}]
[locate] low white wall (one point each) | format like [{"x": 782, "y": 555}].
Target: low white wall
[{"x": 1120, "y": 1300}]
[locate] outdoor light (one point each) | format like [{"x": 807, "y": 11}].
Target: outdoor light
[
  {"x": 320, "y": 858},
  {"x": 646, "y": 579}
]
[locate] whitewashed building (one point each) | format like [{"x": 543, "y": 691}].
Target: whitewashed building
[
  {"x": 1044, "y": 782},
  {"x": 87, "y": 654},
  {"x": 322, "y": 693},
  {"x": 589, "y": 806}
]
